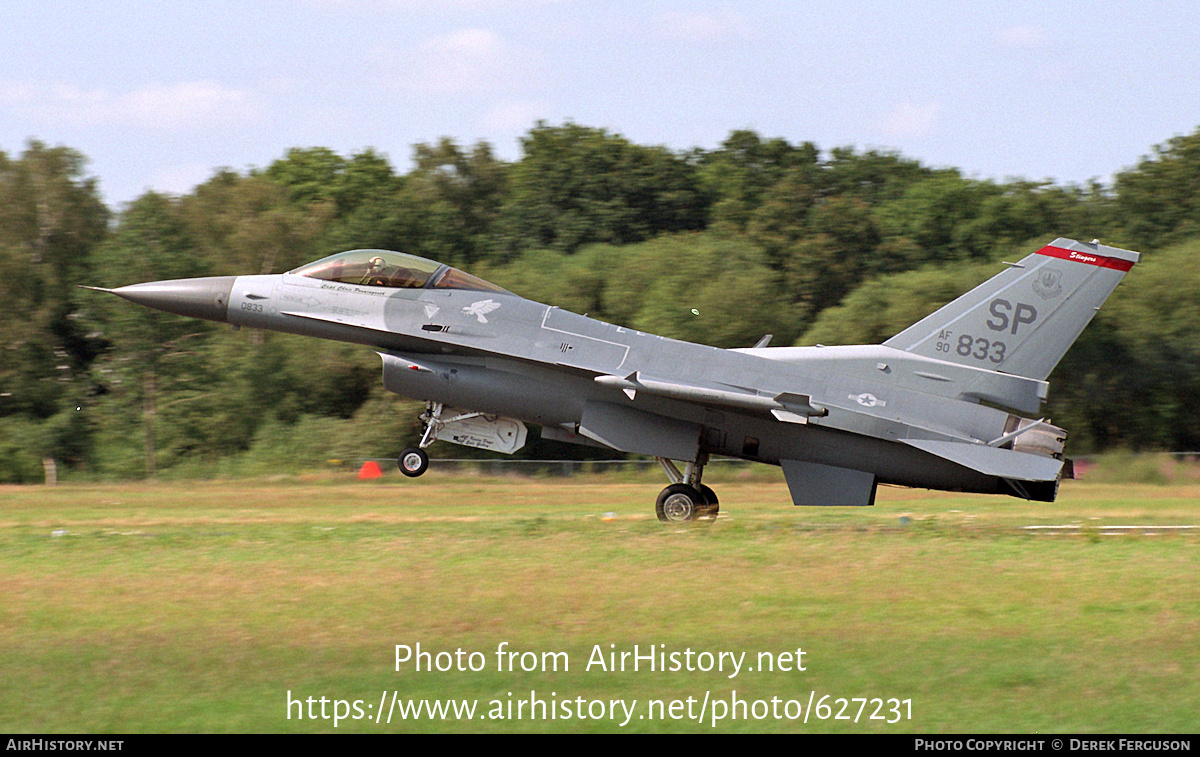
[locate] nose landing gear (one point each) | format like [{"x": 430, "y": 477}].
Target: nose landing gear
[
  {"x": 413, "y": 461},
  {"x": 466, "y": 427}
]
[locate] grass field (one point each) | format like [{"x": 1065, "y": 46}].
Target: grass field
[{"x": 198, "y": 607}]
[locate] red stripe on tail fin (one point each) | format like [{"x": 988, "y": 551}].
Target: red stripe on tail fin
[{"x": 1086, "y": 257}]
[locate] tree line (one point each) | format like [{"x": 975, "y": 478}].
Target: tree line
[{"x": 714, "y": 246}]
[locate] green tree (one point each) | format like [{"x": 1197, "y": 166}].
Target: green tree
[
  {"x": 248, "y": 225},
  {"x": 936, "y": 214},
  {"x": 459, "y": 195},
  {"x": 51, "y": 218},
  {"x": 882, "y": 307},
  {"x": 739, "y": 174},
  {"x": 572, "y": 282},
  {"x": 782, "y": 216},
  {"x": 1158, "y": 202},
  {"x": 317, "y": 175},
  {"x": 576, "y": 185},
  {"x": 873, "y": 176},
  {"x": 702, "y": 287},
  {"x": 1133, "y": 378},
  {"x": 310, "y": 175},
  {"x": 1019, "y": 212},
  {"x": 839, "y": 252},
  {"x": 154, "y": 358}
]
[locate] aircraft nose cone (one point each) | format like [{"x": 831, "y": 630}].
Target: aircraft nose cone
[{"x": 206, "y": 298}]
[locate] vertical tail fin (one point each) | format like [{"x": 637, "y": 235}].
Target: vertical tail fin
[{"x": 1023, "y": 320}]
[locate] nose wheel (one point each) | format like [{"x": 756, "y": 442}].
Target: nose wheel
[
  {"x": 413, "y": 462},
  {"x": 686, "y": 499}
]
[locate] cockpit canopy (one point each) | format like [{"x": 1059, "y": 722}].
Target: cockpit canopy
[{"x": 383, "y": 268}]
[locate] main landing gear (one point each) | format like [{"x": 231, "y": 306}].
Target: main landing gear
[{"x": 686, "y": 498}]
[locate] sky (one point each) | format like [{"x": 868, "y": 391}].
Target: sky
[{"x": 159, "y": 95}]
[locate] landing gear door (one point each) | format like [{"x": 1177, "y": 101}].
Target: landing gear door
[
  {"x": 490, "y": 432},
  {"x": 630, "y": 430},
  {"x": 815, "y": 484}
]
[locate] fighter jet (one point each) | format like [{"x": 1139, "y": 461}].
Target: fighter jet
[{"x": 951, "y": 402}]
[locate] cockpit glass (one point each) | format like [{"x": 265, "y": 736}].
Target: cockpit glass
[
  {"x": 382, "y": 268},
  {"x": 456, "y": 279}
]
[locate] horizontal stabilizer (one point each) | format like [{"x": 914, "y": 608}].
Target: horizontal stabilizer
[{"x": 992, "y": 461}]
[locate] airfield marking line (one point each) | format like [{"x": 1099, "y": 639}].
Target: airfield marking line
[
  {"x": 1035, "y": 528},
  {"x": 808, "y": 709},
  {"x": 1151, "y": 528},
  {"x": 1108, "y": 528}
]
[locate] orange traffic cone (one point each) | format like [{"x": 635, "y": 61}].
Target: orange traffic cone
[{"x": 370, "y": 469}]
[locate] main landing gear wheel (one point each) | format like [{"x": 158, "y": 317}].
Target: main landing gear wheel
[
  {"x": 413, "y": 462},
  {"x": 711, "y": 506},
  {"x": 679, "y": 503}
]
